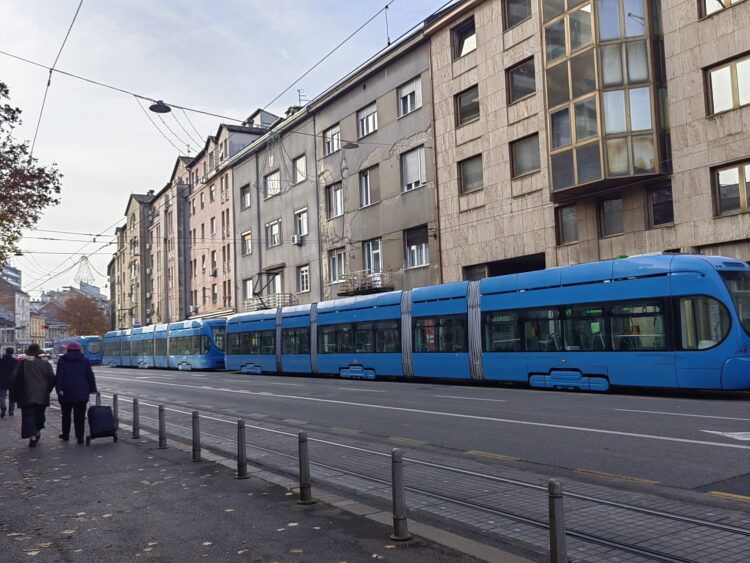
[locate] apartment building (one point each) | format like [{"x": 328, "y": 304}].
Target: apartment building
[
  {"x": 211, "y": 221},
  {"x": 375, "y": 165},
  {"x": 15, "y": 308},
  {"x": 276, "y": 216},
  {"x": 130, "y": 262},
  {"x": 576, "y": 131}
]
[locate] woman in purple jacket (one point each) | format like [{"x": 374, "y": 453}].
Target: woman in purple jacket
[{"x": 74, "y": 383}]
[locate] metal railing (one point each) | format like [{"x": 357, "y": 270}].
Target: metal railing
[
  {"x": 273, "y": 301},
  {"x": 362, "y": 282}
]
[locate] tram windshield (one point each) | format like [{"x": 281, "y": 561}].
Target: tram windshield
[
  {"x": 219, "y": 333},
  {"x": 739, "y": 286}
]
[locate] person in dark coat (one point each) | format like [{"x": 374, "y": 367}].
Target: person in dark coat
[
  {"x": 31, "y": 384},
  {"x": 74, "y": 383},
  {"x": 7, "y": 365}
]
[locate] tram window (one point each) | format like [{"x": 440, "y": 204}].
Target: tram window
[
  {"x": 233, "y": 344},
  {"x": 542, "y": 332},
  {"x": 296, "y": 341},
  {"x": 206, "y": 344},
  {"x": 160, "y": 347},
  {"x": 364, "y": 338},
  {"x": 268, "y": 342},
  {"x": 387, "y": 337},
  {"x": 327, "y": 339},
  {"x": 219, "y": 334},
  {"x": 739, "y": 286},
  {"x": 344, "y": 339},
  {"x": 94, "y": 346},
  {"x": 585, "y": 328},
  {"x": 638, "y": 327},
  {"x": 440, "y": 334},
  {"x": 501, "y": 332},
  {"x": 704, "y": 322}
]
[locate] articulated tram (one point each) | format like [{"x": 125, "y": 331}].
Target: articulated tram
[
  {"x": 667, "y": 321},
  {"x": 91, "y": 347},
  {"x": 663, "y": 321}
]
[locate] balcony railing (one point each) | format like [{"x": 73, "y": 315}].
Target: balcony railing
[
  {"x": 273, "y": 301},
  {"x": 363, "y": 282}
]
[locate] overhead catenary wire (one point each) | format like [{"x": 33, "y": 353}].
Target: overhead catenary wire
[
  {"x": 175, "y": 135},
  {"x": 198, "y": 143},
  {"x": 138, "y": 101},
  {"x": 49, "y": 79}
]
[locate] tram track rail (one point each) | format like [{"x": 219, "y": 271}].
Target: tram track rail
[{"x": 593, "y": 538}]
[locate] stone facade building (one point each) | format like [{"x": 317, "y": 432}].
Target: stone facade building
[
  {"x": 589, "y": 130},
  {"x": 15, "y": 306},
  {"x": 376, "y": 180}
]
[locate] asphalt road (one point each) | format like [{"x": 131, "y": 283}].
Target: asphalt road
[{"x": 690, "y": 442}]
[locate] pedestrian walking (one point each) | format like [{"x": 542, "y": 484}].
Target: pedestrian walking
[
  {"x": 31, "y": 384},
  {"x": 7, "y": 365},
  {"x": 74, "y": 383}
]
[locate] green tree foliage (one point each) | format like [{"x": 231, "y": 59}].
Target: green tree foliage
[{"x": 26, "y": 188}]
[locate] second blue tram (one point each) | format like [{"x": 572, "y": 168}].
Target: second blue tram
[
  {"x": 184, "y": 345},
  {"x": 667, "y": 321}
]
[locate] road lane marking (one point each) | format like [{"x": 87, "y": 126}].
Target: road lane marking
[
  {"x": 732, "y": 496},
  {"x": 685, "y": 414},
  {"x": 615, "y": 476},
  {"x": 743, "y": 436},
  {"x": 408, "y": 441},
  {"x": 457, "y": 415},
  {"x": 470, "y": 398},
  {"x": 362, "y": 390},
  {"x": 491, "y": 455},
  {"x": 289, "y": 384}
]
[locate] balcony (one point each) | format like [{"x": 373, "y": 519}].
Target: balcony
[
  {"x": 363, "y": 282},
  {"x": 273, "y": 301}
]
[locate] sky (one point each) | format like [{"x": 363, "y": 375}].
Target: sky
[{"x": 227, "y": 57}]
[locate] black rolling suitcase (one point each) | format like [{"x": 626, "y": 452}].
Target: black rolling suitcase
[{"x": 101, "y": 424}]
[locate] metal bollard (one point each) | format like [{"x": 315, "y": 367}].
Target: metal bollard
[
  {"x": 196, "y": 437},
  {"x": 400, "y": 526},
  {"x": 305, "y": 486},
  {"x": 241, "y": 451},
  {"x": 98, "y": 399},
  {"x": 162, "y": 429},
  {"x": 136, "y": 420},
  {"x": 557, "y": 549},
  {"x": 116, "y": 410}
]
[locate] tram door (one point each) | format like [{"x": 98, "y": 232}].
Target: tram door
[{"x": 701, "y": 347}]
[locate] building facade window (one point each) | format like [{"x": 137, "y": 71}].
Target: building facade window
[
  {"x": 245, "y": 197},
  {"x": 303, "y": 278},
  {"x": 416, "y": 247},
  {"x": 247, "y": 243},
  {"x": 203, "y": 200},
  {"x": 213, "y": 226},
  {"x": 467, "y": 106},
  {"x": 299, "y": 169},
  {"x": 272, "y": 184},
  {"x": 474, "y": 273},
  {"x": 610, "y": 217},
  {"x": 709, "y": 7},
  {"x": 524, "y": 155},
  {"x": 413, "y": 169},
  {"x": 273, "y": 233},
  {"x": 516, "y": 11},
  {"x": 369, "y": 186},
  {"x": 275, "y": 283},
  {"x": 470, "y": 174},
  {"x": 729, "y": 85},
  {"x": 336, "y": 264},
  {"x": 371, "y": 256},
  {"x": 334, "y": 200},
  {"x": 660, "y": 208},
  {"x": 731, "y": 188},
  {"x": 367, "y": 120},
  {"x": 300, "y": 222},
  {"x": 247, "y": 288},
  {"x": 214, "y": 293},
  {"x": 331, "y": 140},
  {"x": 521, "y": 81},
  {"x": 409, "y": 96},
  {"x": 464, "y": 38},
  {"x": 567, "y": 224},
  {"x": 212, "y": 193}
]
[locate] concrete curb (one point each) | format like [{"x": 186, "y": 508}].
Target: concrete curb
[{"x": 425, "y": 531}]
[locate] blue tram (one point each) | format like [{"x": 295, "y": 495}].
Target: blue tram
[
  {"x": 91, "y": 347},
  {"x": 667, "y": 321},
  {"x": 184, "y": 345}
]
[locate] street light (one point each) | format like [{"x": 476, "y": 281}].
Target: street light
[{"x": 159, "y": 107}]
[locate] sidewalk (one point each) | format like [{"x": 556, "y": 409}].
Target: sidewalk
[{"x": 117, "y": 502}]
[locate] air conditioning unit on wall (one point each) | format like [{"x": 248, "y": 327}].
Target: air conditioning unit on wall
[{"x": 298, "y": 240}]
